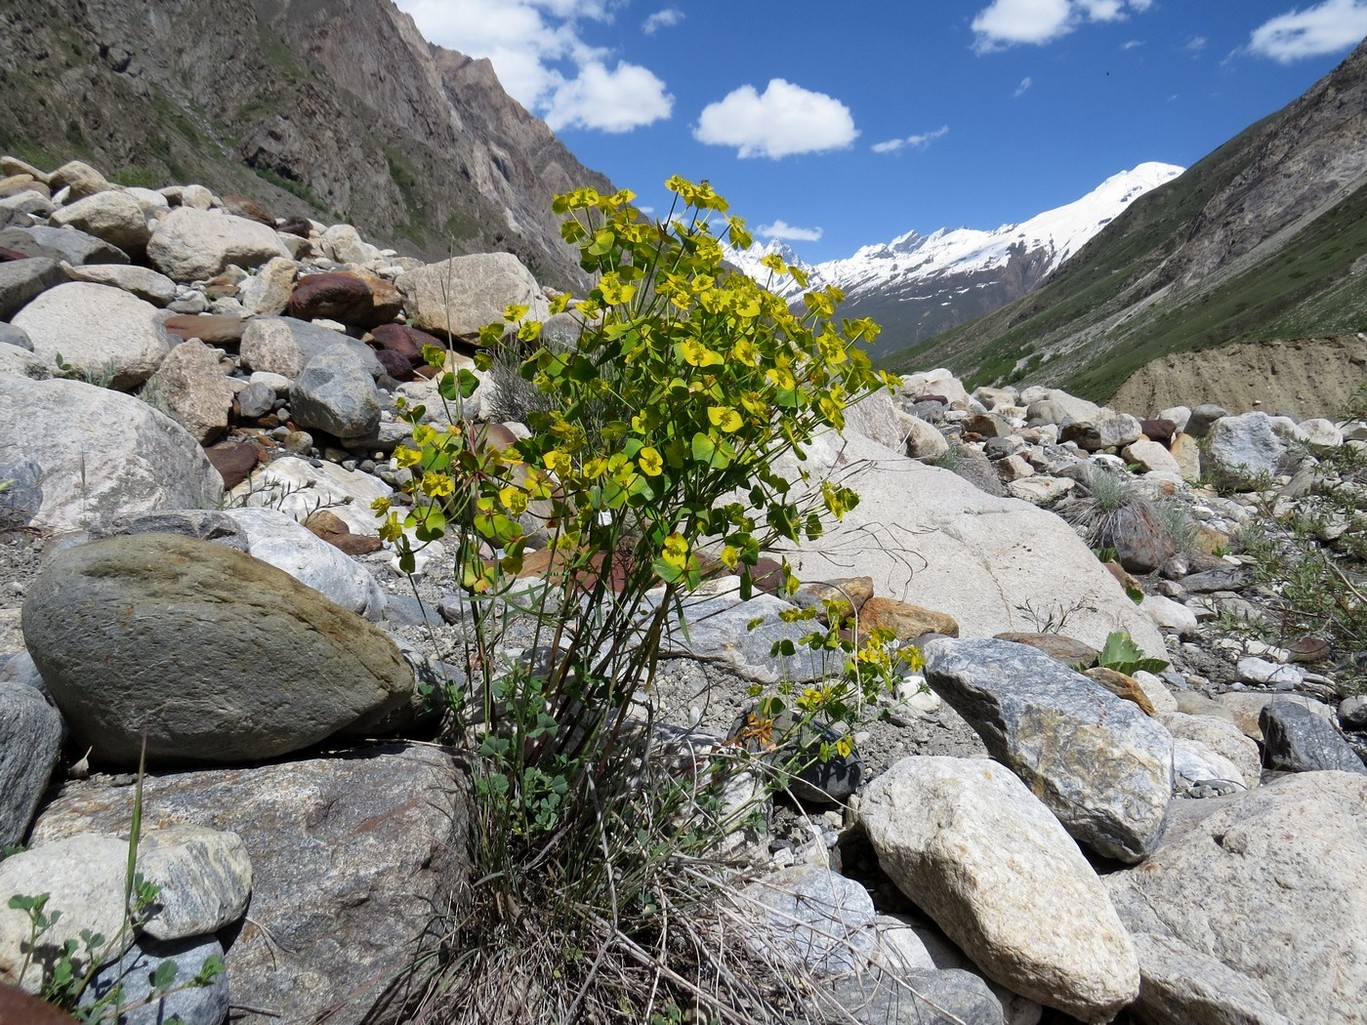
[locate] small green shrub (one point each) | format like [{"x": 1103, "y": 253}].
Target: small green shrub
[
  {"x": 1121, "y": 654},
  {"x": 651, "y": 465}
]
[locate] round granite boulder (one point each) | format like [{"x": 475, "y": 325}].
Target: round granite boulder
[{"x": 212, "y": 655}]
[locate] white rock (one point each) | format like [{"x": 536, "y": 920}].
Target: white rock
[
  {"x": 205, "y": 877},
  {"x": 808, "y": 917},
  {"x": 191, "y": 387},
  {"x": 1171, "y": 615},
  {"x": 157, "y": 289},
  {"x": 84, "y": 877},
  {"x": 114, "y": 216},
  {"x": 97, "y": 330},
  {"x": 972, "y": 847},
  {"x": 103, "y": 453},
  {"x": 461, "y": 295},
  {"x": 299, "y": 489},
  {"x": 1151, "y": 456},
  {"x": 193, "y": 245},
  {"x": 936, "y": 382},
  {"x": 1322, "y": 435},
  {"x": 276, "y": 538},
  {"x": 929, "y": 537}
]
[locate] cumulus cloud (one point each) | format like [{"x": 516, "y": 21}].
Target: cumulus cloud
[
  {"x": 667, "y": 18},
  {"x": 612, "y": 101},
  {"x": 1011, "y": 22},
  {"x": 1026, "y": 83},
  {"x": 911, "y": 141},
  {"x": 781, "y": 229},
  {"x": 1324, "y": 28},
  {"x": 542, "y": 60},
  {"x": 783, "y": 120}
]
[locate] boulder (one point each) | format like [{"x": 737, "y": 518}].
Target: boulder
[
  {"x": 1106, "y": 430},
  {"x": 148, "y": 285},
  {"x": 1295, "y": 739},
  {"x": 30, "y": 742},
  {"x": 192, "y": 1005},
  {"x": 83, "y": 875},
  {"x": 1220, "y": 736},
  {"x": 336, "y": 393},
  {"x": 276, "y": 538},
  {"x": 972, "y": 847},
  {"x": 407, "y": 342},
  {"x": 810, "y": 919},
  {"x": 1242, "y": 448},
  {"x": 1281, "y": 876},
  {"x": 1097, "y": 761},
  {"x": 114, "y": 216},
  {"x": 923, "y": 441},
  {"x": 99, "y": 331},
  {"x": 906, "y": 621},
  {"x": 284, "y": 345},
  {"x": 102, "y": 453},
  {"x": 362, "y": 301},
  {"x": 352, "y": 859},
  {"x": 223, "y": 658},
  {"x": 924, "y": 997},
  {"x": 1150, "y": 457},
  {"x": 459, "y": 296},
  {"x": 194, "y": 245},
  {"x": 22, "y": 281},
  {"x": 1182, "y": 986},
  {"x": 205, "y": 877},
  {"x": 268, "y": 290},
  {"x": 80, "y": 178},
  {"x": 928, "y": 537},
  {"x": 192, "y": 388},
  {"x": 61, "y": 245},
  {"x": 299, "y": 489}
]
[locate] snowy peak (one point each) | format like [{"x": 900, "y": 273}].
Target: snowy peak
[{"x": 918, "y": 285}]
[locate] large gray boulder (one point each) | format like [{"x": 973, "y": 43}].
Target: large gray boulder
[
  {"x": 1272, "y": 886},
  {"x": 99, "y": 331},
  {"x": 208, "y": 654},
  {"x": 194, "y": 245},
  {"x": 973, "y": 848},
  {"x": 102, "y": 453},
  {"x": 1243, "y": 448},
  {"x": 22, "y": 280},
  {"x": 1296, "y": 739},
  {"x": 335, "y": 393},
  {"x": 353, "y": 859},
  {"x": 284, "y": 345},
  {"x": 30, "y": 741},
  {"x": 930, "y": 538},
  {"x": 1097, "y": 761},
  {"x": 461, "y": 295},
  {"x": 809, "y": 919}
]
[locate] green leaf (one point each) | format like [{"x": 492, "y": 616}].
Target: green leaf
[{"x": 163, "y": 975}]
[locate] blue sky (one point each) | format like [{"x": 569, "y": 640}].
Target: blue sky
[{"x": 841, "y": 125}]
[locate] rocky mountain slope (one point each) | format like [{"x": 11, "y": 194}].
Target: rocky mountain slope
[
  {"x": 337, "y": 111},
  {"x": 917, "y": 286},
  {"x": 1261, "y": 239}
]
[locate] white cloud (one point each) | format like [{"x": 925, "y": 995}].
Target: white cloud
[
  {"x": 1131, "y": 44},
  {"x": 789, "y": 233},
  {"x": 1196, "y": 44},
  {"x": 783, "y": 120},
  {"x": 911, "y": 141},
  {"x": 1325, "y": 28},
  {"x": 667, "y": 18},
  {"x": 1026, "y": 83},
  {"x": 543, "y": 61},
  {"x": 612, "y": 101},
  {"x": 1010, "y": 22}
]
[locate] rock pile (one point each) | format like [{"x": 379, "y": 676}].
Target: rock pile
[{"x": 197, "y": 409}]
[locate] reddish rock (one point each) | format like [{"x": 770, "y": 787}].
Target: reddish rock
[
  {"x": 1161, "y": 431},
  {"x": 342, "y": 296},
  {"x": 214, "y": 329},
  {"x": 906, "y": 621},
  {"x": 1121, "y": 686},
  {"x": 6, "y": 255},
  {"x": 295, "y": 226},
  {"x": 234, "y": 461},
  {"x": 407, "y": 341},
  {"x": 334, "y": 530},
  {"x": 395, "y": 364},
  {"x": 19, "y": 1008},
  {"x": 242, "y": 206}
]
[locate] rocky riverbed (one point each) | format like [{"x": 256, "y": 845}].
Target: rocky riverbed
[{"x": 197, "y": 408}]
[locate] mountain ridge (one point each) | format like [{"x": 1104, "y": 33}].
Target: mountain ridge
[
  {"x": 1259, "y": 240},
  {"x": 917, "y": 285}
]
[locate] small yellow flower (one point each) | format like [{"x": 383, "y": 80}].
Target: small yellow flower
[
  {"x": 650, "y": 461},
  {"x": 725, "y": 418},
  {"x": 698, "y": 355},
  {"x": 558, "y": 462},
  {"x": 514, "y": 499},
  {"x": 437, "y": 484},
  {"x": 730, "y": 556},
  {"x": 675, "y": 551},
  {"x": 407, "y": 457}
]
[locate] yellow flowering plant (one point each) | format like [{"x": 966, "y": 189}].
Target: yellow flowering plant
[{"x": 650, "y": 465}]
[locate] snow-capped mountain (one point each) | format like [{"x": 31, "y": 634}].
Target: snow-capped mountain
[{"x": 919, "y": 285}]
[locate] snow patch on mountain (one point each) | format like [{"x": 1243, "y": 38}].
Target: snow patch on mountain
[{"x": 914, "y": 258}]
